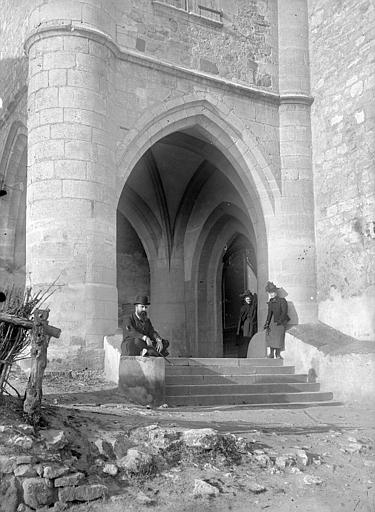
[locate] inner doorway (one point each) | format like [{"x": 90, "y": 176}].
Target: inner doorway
[{"x": 239, "y": 274}]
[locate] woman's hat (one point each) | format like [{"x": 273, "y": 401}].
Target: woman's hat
[
  {"x": 271, "y": 287},
  {"x": 142, "y": 299},
  {"x": 246, "y": 293}
]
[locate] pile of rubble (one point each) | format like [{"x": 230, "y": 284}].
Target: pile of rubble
[{"x": 52, "y": 469}]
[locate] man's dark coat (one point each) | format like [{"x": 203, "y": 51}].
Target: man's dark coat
[{"x": 134, "y": 329}]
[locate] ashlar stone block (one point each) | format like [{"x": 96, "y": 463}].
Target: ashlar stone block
[
  {"x": 71, "y": 131},
  {"x": 58, "y": 60}
]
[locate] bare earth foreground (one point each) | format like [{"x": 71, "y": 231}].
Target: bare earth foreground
[{"x": 282, "y": 459}]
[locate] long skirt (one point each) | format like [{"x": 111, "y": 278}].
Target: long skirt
[
  {"x": 276, "y": 336},
  {"x": 243, "y": 346}
]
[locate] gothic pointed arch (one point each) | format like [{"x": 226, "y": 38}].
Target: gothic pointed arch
[
  {"x": 249, "y": 170},
  {"x": 13, "y": 178}
]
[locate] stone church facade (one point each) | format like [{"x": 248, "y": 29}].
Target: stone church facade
[{"x": 146, "y": 145}]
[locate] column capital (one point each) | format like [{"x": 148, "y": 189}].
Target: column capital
[{"x": 296, "y": 99}]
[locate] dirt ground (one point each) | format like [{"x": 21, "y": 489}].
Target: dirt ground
[{"x": 342, "y": 437}]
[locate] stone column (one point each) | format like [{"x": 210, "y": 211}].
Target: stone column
[
  {"x": 292, "y": 239},
  {"x": 168, "y": 302},
  {"x": 71, "y": 205}
]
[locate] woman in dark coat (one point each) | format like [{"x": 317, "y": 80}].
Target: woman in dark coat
[
  {"x": 277, "y": 318},
  {"x": 247, "y": 322}
]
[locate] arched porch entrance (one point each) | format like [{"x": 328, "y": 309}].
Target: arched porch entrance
[
  {"x": 13, "y": 166},
  {"x": 181, "y": 209}
]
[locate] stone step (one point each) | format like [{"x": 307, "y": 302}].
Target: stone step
[
  {"x": 222, "y": 370},
  {"x": 251, "y": 399},
  {"x": 232, "y": 378},
  {"x": 240, "y": 389},
  {"x": 225, "y": 361}
]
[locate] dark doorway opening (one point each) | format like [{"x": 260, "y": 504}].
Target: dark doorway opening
[{"x": 238, "y": 275}]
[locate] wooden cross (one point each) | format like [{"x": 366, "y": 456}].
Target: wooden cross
[{"x": 41, "y": 333}]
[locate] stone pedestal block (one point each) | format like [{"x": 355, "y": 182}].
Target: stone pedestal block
[{"x": 142, "y": 379}]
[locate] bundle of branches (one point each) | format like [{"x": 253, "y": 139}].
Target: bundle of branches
[{"x": 14, "y": 339}]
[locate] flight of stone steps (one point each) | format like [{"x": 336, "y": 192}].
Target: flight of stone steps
[{"x": 225, "y": 381}]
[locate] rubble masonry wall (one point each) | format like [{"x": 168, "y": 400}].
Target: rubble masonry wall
[{"x": 343, "y": 124}]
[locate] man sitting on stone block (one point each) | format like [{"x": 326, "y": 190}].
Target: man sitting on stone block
[{"x": 140, "y": 338}]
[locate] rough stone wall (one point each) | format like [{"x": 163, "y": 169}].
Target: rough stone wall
[
  {"x": 342, "y": 43},
  {"x": 243, "y": 48}
]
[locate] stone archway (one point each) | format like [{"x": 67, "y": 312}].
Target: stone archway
[
  {"x": 187, "y": 200},
  {"x": 13, "y": 170}
]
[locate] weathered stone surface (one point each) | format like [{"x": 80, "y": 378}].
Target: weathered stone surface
[
  {"x": 24, "y": 470},
  {"x": 281, "y": 462},
  {"x": 104, "y": 448},
  {"x": 26, "y": 429},
  {"x": 110, "y": 469},
  {"x": 353, "y": 448},
  {"x": 5, "y": 429},
  {"x": 202, "y": 488},
  {"x": 58, "y": 506},
  {"x": 37, "y": 493},
  {"x": 164, "y": 438},
  {"x": 9, "y": 496},
  {"x": 255, "y": 488},
  {"x": 24, "y": 508},
  {"x": 200, "y": 438},
  {"x": 144, "y": 499},
  {"x": 25, "y": 459},
  {"x": 83, "y": 493},
  {"x": 262, "y": 460},
  {"x": 69, "y": 480},
  {"x": 343, "y": 164},
  {"x": 7, "y": 464},
  {"x": 122, "y": 444},
  {"x": 54, "y": 438},
  {"x": 312, "y": 480},
  {"x": 302, "y": 457},
  {"x": 135, "y": 461},
  {"x": 24, "y": 442},
  {"x": 55, "y": 470}
]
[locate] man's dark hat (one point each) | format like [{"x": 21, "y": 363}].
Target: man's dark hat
[
  {"x": 142, "y": 299},
  {"x": 271, "y": 287},
  {"x": 246, "y": 293}
]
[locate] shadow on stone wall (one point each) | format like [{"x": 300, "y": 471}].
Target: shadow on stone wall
[{"x": 292, "y": 312}]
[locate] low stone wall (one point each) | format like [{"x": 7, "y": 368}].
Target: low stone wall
[{"x": 339, "y": 363}]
